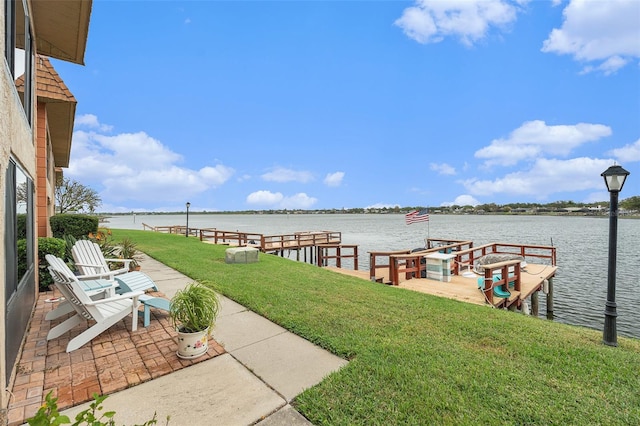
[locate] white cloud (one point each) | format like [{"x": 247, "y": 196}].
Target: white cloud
[
  {"x": 627, "y": 153},
  {"x": 430, "y": 21},
  {"x": 281, "y": 174},
  {"x": 136, "y": 167},
  {"x": 546, "y": 177},
  {"x": 605, "y": 32},
  {"x": 298, "y": 201},
  {"x": 266, "y": 198},
  {"x": 535, "y": 138},
  {"x": 462, "y": 200},
  {"x": 277, "y": 200},
  {"x": 443, "y": 169},
  {"x": 91, "y": 121},
  {"x": 334, "y": 179}
]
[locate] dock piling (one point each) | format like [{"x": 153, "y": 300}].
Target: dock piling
[{"x": 550, "y": 300}]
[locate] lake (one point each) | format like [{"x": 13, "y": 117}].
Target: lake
[{"x": 580, "y": 286}]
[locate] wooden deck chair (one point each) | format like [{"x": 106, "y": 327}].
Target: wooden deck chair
[
  {"x": 91, "y": 262},
  {"x": 95, "y": 288},
  {"x": 105, "y": 312},
  {"x": 134, "y": 281}
]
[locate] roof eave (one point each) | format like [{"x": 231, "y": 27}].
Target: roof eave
[{"x": 61, "y": 28}]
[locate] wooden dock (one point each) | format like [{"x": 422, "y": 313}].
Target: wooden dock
[
  {"x": 506, "y": 284},
  {"x": 466, "y": 289}
]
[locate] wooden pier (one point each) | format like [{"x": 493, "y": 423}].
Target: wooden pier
[
  {"x": 408, "y": 269},
  {"x": 505, "y": 284}
]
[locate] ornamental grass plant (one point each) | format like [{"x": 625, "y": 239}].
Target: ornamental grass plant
[
  {"x": 194, "y": 308},
  {"x": 421, "y": 359}
]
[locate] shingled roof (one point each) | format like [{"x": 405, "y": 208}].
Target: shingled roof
[{"x": 61, "y": 108}]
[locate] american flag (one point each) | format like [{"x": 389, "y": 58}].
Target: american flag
[{"x": 417, "y": 216}]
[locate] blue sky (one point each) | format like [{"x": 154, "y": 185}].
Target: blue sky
[{"x": 236, "y": 105}]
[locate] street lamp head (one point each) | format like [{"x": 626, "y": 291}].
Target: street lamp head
[
  {"x": 188, "y": 205},
  {"x": 614, "y": 178}
]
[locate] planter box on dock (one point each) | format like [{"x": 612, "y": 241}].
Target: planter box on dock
[
  {"x": 439, "y": 266},
  {"x": 241, "y": 255}
]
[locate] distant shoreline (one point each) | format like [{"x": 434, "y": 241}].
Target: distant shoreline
[{"x": 634, "y": 215}]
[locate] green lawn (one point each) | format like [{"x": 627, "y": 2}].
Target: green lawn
[{"x": 420, "y": 359}]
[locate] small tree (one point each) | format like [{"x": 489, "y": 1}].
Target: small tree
[{"x": 72, "y": 196}]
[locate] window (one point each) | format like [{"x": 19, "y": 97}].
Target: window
[
  {"x": 19, "y": 227},
  {"x": 20, "y": 269},
  {"x": 27, "y": 100},
  {"x": 10, "y": 34},
  {"x": 19, "y": 50}
]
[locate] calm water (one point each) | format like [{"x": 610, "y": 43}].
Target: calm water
[{"x": 582, "y": 248}]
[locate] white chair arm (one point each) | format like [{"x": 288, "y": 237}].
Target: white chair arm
[
  {"x": 131, "y": 295},
  {"x": 125, "y": 261},
  {"x": 91, "y": 265}
]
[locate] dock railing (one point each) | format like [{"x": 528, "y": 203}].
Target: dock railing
[
  {"x": 466, "y": 258},
  {"x": 334, "y": 253},
  {"x": 300, "y": 240},
  {"x": 380, "y": 264},
  {"x": 172, "y": 229},
  {"x": 509, "y": 272},
  {"x": 388, "y": 266},
  {"x": 234, "y": 238}
]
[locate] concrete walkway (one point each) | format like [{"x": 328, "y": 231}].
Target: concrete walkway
[{"x": 264, "y": 369}]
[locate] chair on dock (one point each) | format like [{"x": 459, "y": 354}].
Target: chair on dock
[{"x": 498, "y": 291}]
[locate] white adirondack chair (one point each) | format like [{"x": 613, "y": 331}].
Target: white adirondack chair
[
  {"x": 105, "y": 312},
  {"x": 95, "y": 288},
  {"x": 90, "y": 261}
]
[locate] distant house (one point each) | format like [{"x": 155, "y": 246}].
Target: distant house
[{"x": 35, "y": 135}]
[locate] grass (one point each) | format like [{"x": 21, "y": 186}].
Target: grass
[{"x": 420, "y": 359}]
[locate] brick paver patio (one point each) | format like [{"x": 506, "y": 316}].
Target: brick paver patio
[{"x": 115, "y": 360}]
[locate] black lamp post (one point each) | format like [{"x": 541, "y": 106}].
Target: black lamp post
[
  {"x": 614, "y": 178},
  {"x": 186, "y": 234}
]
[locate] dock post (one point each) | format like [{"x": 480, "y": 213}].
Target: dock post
[
  {"x": 535, "y": 303},
  {"x": 550, "y": 300}
]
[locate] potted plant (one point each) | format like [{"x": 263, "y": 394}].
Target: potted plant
[
  {"x": 193, "y": 312},
  {"x": 128, "y": 250}
]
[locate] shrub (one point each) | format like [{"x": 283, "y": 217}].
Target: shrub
[
  {"x": 78, "y": 225},
  {"x": 54, "y": 246}
]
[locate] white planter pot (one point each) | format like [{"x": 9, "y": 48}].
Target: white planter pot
[{"x": 192, "y": 345}]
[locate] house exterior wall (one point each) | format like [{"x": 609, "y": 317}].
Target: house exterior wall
[
  {"x": 17, "y": 142},
  {"x": 44, "y": 184}
]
